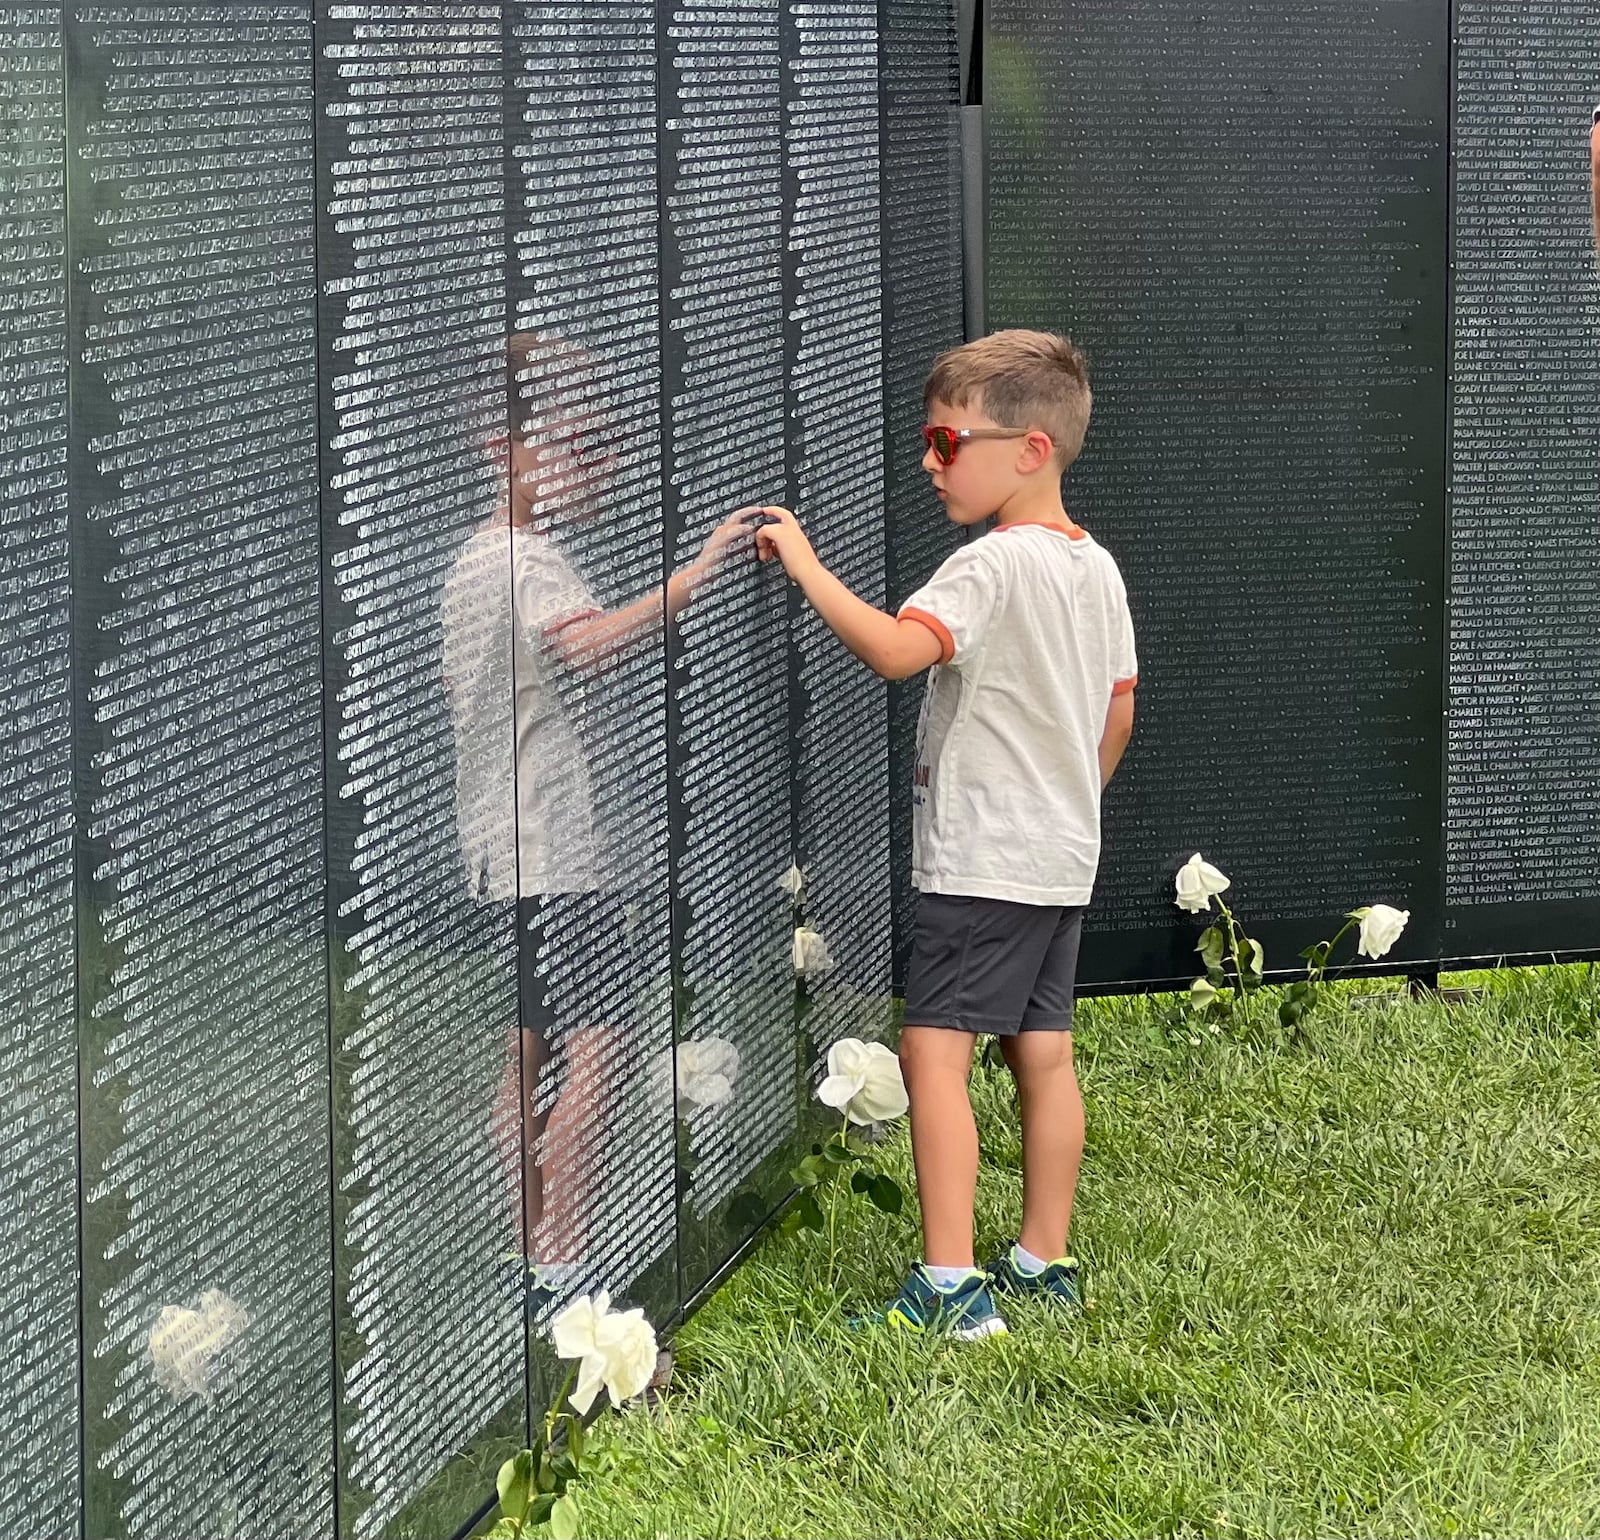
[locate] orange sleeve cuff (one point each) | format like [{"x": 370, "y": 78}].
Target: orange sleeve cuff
[
  {"x": 947, "y": 643},
  {"x": 1124, "y": 686}
]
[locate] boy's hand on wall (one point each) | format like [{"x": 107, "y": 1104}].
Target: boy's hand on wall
[{"x": 782, "y": 537}]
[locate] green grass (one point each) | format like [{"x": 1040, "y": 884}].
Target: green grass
[{"x": 1347, "y": 1286}]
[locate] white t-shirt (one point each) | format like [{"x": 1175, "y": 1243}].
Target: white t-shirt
[
  {"x": 1035, "y": 639},
  {"x": 553, "y": 847}
]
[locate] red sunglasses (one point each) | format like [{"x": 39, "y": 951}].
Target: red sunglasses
[{"x": 945, "y": 441}]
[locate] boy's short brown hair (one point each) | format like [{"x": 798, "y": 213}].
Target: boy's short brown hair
[{"x": 1020, "y": 379}]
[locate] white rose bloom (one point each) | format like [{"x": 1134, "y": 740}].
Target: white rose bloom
[
  {"x": 811, "y": 953},
  {"x": 1198, "y": 882},
  {"x": 793, "y": 881},
  {"x": 185, "y": 1343},
  {"x": 864, "y": 1082},
  {"x": 615, "y": 1349},
  {"x": 1380, "y": 929}
]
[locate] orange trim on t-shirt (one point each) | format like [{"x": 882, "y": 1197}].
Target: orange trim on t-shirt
[
  {"x": 947, "y": 643},
  {"x": 1124, "y": 686},
  {"x": 1069, "y": 529}
]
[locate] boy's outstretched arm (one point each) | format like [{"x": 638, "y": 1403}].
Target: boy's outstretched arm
[
  {"x": 892, "y": 648},
  {"x": 1118, "y": 730}
]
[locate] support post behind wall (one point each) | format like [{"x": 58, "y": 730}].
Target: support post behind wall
[{"x": 973, "y": 198}]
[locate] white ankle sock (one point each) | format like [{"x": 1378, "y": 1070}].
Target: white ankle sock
[
  {"x": 946, "y": 1277},
  {"x": 1025, "y": 1261}
]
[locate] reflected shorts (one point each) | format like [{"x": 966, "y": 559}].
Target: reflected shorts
[
  {"x": 986, "y": 965},
  {"x": 600, "y": 928}
]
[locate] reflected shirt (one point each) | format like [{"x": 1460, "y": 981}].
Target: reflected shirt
[{"x": 505, "y": 602}]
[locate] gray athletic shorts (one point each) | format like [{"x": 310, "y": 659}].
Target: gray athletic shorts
[{"x": 985, "y": 965}]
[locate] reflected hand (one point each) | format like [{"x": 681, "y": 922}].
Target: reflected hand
[
  {"x": 733, "y": 531},
  {"x": 782, "y": 537}
]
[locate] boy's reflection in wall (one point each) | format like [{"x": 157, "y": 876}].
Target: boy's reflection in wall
[{"x": 528, "y": 648}]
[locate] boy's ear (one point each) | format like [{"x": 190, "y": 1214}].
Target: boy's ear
[{"x": 1038, "y": 450}]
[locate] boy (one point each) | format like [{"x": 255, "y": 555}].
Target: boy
[{"x": 1027, "y": 713}]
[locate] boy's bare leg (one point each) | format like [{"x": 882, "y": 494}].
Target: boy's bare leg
[
  {"x": 535, "y": 1055},
  {"x": 1052, "y": 1136},
  {"x": 944, "y": 1139},
  {"x": 565, "y": 1145}
]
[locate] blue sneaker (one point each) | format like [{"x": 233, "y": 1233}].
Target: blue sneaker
[
  {"x": 1058, "y": 1281},
  {"x": 965, "y": 1310}
]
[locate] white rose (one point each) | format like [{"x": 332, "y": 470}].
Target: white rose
[
  {"x": 614, "y": 1349},
  {"x": 793, "y": 881},
  {"x": 864, "y": 1082},
  {"x": 1380, "y": 928},
  {"x": 185, "y": 1343},
  {"x": 811, "y": 953},
  {"x": 1198, "y": 881}
]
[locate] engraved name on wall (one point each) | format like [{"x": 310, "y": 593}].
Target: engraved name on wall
[
  {"x": 835, "y": 399},
  {"x": 1522, "y": 811},
  {"x": 427, "y": 1074},
  {"x": 722, "y": 177},
  {"x": 209, "y": 1403},
  {"x": 586, "y": 410},
  {"x": 38, "y": 1064},
  {"x": 919, "y": 83},
  {"x": 1241, "y": 218}
]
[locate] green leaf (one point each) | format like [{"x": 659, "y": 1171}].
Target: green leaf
[
  {"x": 564, "y": 1468},
  {"x": 514, "y": 1484},
  {"x": 1290, "y": 1012},
  {"x": 1258, "y": 959},
  {"x": 839, "y": 1155},
  {"x": 861, "y": 1181},
  {"x": 564, "y": 1519},
  {"x": 811, "y": 1171},
  {"x": 1212, "y": 947},
  {"x": 545, "y": 1477},
  {"x": 810, "y": 1212},
  {"x": 503, "y": 1529},
  {"x": 885, "y": 1193},
  {"x": 540, "y": 1511},
  {"x": 576, "y": 1437},
  {"x": 1202, "y": 993},
  {"x": 1216, "y": 977}
]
